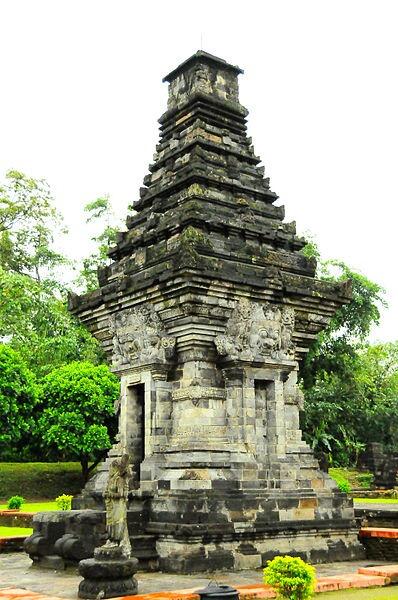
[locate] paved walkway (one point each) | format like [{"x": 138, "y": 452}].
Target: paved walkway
[{"x": 16, "y": 570}]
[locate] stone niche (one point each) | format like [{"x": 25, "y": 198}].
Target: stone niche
[{"x": 205, "y": 312}]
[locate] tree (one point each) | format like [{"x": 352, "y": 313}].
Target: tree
[
  {"x": 346, "y": 410},
  {"x": 332, "y": 374},
  {"x": 33, "y": 316},
  {"x": 99, "y": 212},
  {"x": 377, "y": 380},
  {"x": 18, "y": 399},
  {"x": 78, "y": 417},
  {"x": 28, "y": 224},
  {"x": 36, "y": 323},
  {"x": 351, "y": 323}
]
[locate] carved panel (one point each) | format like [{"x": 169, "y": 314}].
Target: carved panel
[
  {"x": 139, "y": 337},
  {"x": 197, "y": 392},
  {"x": 258, "y": 331}
]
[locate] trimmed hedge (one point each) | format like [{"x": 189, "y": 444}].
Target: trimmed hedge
[
  {"x": 39, "y": 480},
  {"x": 354, "y": 477}
]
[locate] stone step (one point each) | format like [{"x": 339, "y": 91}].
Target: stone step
[
  {"x": 379, "y": 532},
  {"x": 143, "y": 548},
  {"x": 390, "y": 571},
  {"x": 143, "y": 542}
]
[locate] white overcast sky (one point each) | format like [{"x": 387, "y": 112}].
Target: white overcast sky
[{"x": 82, "y": 92}]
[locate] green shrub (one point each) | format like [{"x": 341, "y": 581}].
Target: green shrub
[
  {"x": 64, "y": 502},
  {"x": 291, "y": 577},
  {"x": 39, "y": 481},
  {"x": 342, "y": 483},
  {"x": 344, "y": 486},
  {"x": 18, "y": 399},
  {"x": 15, "y": 502},
  {"x": 366, "y": 480}
]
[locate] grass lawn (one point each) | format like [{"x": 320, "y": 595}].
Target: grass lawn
[
  {"x": 385, "y": 593},
  {"x": 34, "y": 506},
  {"x": 12, "y": 531},
  {"x": 377, "y": 500}
]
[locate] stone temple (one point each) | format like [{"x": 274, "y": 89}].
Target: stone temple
[{"x": 205, "y": 313}]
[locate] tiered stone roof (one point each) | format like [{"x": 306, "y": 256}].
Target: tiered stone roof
[{"x": 206, "y": 218}]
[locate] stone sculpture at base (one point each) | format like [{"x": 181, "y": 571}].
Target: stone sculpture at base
[
  {"x": 205, "y": 312},
  {"x": 111, "y": 572},
  {"x": 116, "y": 497}
]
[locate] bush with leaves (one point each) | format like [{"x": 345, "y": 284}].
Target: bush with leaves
[
  {"x": 78, "y": 417},
  {"x": 18, "y": 400},
  {"x": 344, "y": 485},
  {"x": 291, "y": 577},
  {"x": 366, "y": 480},
  {"x": 64, "y": 502},
  {"x": 15, "y": 502}
]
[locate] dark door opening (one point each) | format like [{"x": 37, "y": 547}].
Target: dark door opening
[
  {"x": 136, "y": 427},
  {"x": 261, "y": 419}
]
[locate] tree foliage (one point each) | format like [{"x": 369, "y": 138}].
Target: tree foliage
[
  {"x": 78, "y": 411},
  {"x": 350, "y": 326},
  {"x": 36, "y": 323},
  {"x": 343, "y": 410},
  {"x": 33, "y": 316},
  {"x": 18, "y": 399},
  {"x": 28, "y": 224},
  {"x": 99, "y": 212},
  {"x": 347, "y": 409},
  {"x": 76, "y": 399}
]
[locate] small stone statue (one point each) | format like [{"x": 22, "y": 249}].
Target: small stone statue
[
  {"x": 110, "y": 573},
  {"x": 116, "y": 494}
]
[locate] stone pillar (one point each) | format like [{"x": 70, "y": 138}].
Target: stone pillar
[
  {"x": 234, "y": 404},
  {"x": 293, "y": 404},
  {"x": 276, "y": 420}
]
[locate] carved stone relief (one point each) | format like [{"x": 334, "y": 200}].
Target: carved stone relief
[
  {"x": 256, "y": 331},
  {"x": 196, "y": 393},
  {"x": 139, "y": 337}
]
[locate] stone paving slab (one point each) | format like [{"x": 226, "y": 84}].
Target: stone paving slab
[
  {"x": 42, "y": 584},
  {"x": 350, "y": 580},
  {"x": 22, "y": 594},
  {"x": 257, "y": 591}
]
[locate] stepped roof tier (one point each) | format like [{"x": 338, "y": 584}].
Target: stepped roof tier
[{"x": 206, "y": 221}]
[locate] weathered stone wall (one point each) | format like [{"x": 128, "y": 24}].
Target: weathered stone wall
[{"x": 383, "y": 465}]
